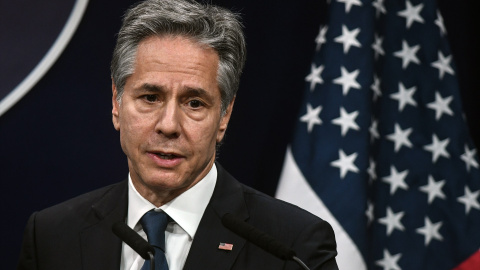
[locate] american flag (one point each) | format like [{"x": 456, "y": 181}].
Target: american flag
[
  {"x": 381, "y": 147},
  {"x": 225, "y": 246}
]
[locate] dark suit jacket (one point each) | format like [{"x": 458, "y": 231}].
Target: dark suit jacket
[{"x": 77, "y": 234}]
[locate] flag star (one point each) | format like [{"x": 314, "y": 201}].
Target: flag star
[
  {"x": 470, "y": 200},
  {"x": 379, "y": 6},
  {"x": 374, "y": 130},
  {"x": 345, "y": 163},
  {"x": 350, "y": 3},
  {"x": 372, "y": 170},
  {"x": 321, "y": 37},
  {"x": 440, "y": 24},
  {"x": 389, "y": 262},
  {"x": 433, "y": 189},
  {"x": 438, "y": 148},
  {"x": 396, "y": 180},
  {"x": 392, "y": 221},
  {"x": 346, "y": 121},
  {"x": 440, "y": 105},
  {"x": 348, "y": 38},
  {"x": 369, "y": 212},
  {"x": 443, "y": 65},
  {"x": 348, "y": 80},
  {"x": 400, "y": 137},
  {"x": 469, "y": 158},
  {"x": 377, "y": 46},
  {"x": 404, "y": 96},
  {"x": 315, "y": 76},
  {"x": 430, "y": 231},
  {"x": 377, "y": 92},
  {"x": 408, "y": 54},
  {"x": 312, "y": 117},
  {"x": 412, "y": 14}
]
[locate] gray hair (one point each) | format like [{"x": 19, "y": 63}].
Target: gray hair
[{"x": 208, "y": 25}]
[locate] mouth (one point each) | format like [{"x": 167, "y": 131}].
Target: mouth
[
  {"x": 166, "y": 159},
  {"x": 166, "y": 156}
]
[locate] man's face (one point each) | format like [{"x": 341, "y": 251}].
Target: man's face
[{"x": 169, "y": 117}]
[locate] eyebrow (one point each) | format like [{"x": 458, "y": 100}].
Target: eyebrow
[
  {"x": 146, "y": 87},
  {"x": 197, "y": 92},
  {"x": 190, "y": 91}
]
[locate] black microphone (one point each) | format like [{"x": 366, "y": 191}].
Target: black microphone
[
  {"x": 134, "y": 240},
  {"x": 259, "y": 238}
]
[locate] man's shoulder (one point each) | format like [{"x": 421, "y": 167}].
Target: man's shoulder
[
  {"x": 261, "y": 204},
  {"x": 291, "y": 225},
  {"x": 311, "y": 237},
  {"x": 267, "y": 204},
  {"x": 84, "y": 202}
]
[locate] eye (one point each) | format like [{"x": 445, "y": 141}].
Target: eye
[
  {"x": 150, "y": 98},
  {"x": 195, "y": 103}
]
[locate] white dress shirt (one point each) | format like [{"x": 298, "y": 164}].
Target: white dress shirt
[{"x": 186, "y": 210}]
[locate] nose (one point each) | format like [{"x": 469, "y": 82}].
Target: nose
[{"x": 168, "y": 123}]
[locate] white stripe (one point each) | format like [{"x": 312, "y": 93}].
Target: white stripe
[
  {"x": 52, "y": 55},
  {"x": 294, "y": 188}
]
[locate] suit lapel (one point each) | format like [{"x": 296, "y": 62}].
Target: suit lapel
[
  {"x": 101, "y": 249},
  {"x": 227, "y": 198}
]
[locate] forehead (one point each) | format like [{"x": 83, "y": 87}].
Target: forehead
[
  {"x": 174, "y": 62},
  {"x": 176, "y": 53}
]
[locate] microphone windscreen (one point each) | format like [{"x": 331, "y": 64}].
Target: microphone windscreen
[
  {"x": 133, "y": 239},
  {"x": 257, "y": 237}
]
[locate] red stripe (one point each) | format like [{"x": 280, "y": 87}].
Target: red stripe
[{"x": 472, "y": 263}]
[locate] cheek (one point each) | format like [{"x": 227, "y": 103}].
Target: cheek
[
  {"x": 206, "y": 135},
  {"x": 133, "y": 128}
]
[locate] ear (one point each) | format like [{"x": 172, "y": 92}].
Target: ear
[
  {"x": 224, "y": 121},
  {"x": 115, "y": 107}
]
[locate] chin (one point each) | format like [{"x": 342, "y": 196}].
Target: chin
[{"x": 165, "y": 182}]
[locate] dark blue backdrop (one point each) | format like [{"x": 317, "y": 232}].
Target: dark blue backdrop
[{"x": 58, "y": 141}]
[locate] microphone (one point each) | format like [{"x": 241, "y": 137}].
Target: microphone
[
  {"x": 134, "y": 240},
  {"x": 260, "y": 239}
]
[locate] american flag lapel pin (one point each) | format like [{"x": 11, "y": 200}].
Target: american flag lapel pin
[{"x": 225, "y": 246}]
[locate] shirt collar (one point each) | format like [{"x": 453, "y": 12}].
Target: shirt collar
[{"x": 186, "y": 210}]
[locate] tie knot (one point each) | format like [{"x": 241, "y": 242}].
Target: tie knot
[{"x": 154, "y": 225}]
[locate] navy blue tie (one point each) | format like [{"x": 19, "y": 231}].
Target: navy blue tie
[{"x": 154, "y": 225}]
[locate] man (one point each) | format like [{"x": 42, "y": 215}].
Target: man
[{"x": 175, "y": 72}]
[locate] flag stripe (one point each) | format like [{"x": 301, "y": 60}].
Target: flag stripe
[
  {"x": 471, "y": 263},
  {"x": 293, "y": 183}
]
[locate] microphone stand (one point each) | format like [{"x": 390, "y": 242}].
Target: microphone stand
[
  {"x": 299, "y": 262},
  {"x": 152, "y": 260}
]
